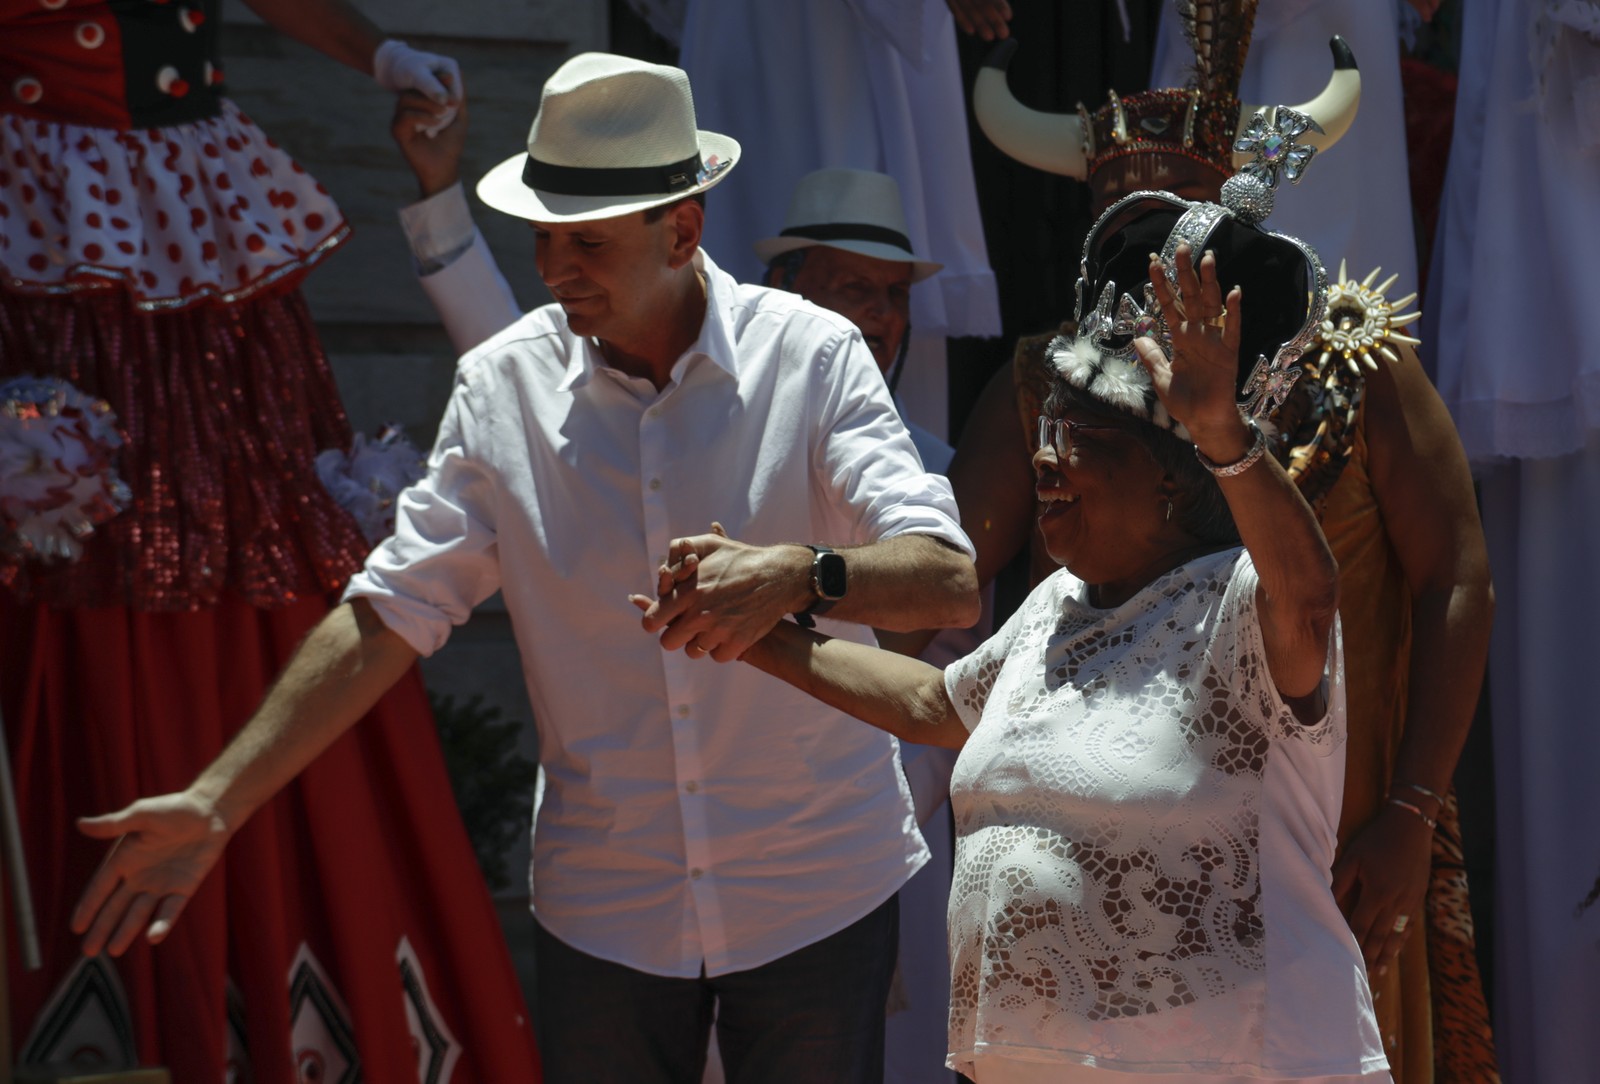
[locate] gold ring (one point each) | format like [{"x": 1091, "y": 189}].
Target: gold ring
[
  {"x": 1219, "y": 319},
  {"x": 1401, "y": 923}
]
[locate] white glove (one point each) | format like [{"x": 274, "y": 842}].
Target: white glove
[{"x": 396, "y": 66}]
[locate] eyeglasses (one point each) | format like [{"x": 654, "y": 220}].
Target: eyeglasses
[{"x": 1061, "y": 434}]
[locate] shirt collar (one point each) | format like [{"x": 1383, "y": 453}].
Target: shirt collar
[{"x": 714, "y": 341}]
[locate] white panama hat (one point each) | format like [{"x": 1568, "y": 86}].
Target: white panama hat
[
  {"x": 612, "y": 136},
  {"x": 851, "y": 209}
]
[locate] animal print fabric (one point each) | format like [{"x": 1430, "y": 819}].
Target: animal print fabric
[{"x": 1463, "y": 1042}]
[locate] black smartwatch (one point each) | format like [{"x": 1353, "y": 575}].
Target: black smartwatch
[{"x": 828, "y": 582}]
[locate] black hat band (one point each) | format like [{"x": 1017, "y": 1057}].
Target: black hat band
[
  {"x": 631, "y": 181},
  {"x": 850, "y": 231}
]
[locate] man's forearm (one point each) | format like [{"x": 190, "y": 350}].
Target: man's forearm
[
  {"x": 909, "y": 582},
  {"x": 340, "y": 670}
]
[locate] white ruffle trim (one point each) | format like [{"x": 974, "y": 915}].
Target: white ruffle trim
[{"x": 213, "y": 209}]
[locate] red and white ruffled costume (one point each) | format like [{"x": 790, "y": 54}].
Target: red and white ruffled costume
[{"x": 151, "y": 241}]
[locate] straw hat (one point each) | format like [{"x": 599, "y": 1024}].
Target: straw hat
[
  {"x": 613, "y": 136},
  {"x": 850, "y": 209}
]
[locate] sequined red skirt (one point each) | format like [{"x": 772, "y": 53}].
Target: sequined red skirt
[{"x": 224, "y": 408}]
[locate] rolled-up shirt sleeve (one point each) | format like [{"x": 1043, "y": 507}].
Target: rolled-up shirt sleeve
[
  {"x": 866, "y": 458},
  {"x": 443, "y": 558}
]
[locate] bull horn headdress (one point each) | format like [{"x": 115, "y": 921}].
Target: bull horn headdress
[{"x": 1204, "y": 122}]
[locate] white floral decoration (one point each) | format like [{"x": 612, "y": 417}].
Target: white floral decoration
[
  {"x": 368, "y": 479},
  {"x": 58, "y": 478}
]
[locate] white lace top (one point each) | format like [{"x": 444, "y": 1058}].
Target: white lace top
[{"x": 1144, "y": 838}]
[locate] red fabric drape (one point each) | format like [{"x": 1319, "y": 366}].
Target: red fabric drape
[{"x": 364, "y": 849}]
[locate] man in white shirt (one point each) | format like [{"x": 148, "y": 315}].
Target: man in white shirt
[
  {"x": 706, "y": 837},
  {"x": 844, "y": 246}
]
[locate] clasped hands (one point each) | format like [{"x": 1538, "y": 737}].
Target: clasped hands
[
  {"x": 717, "y": 596},
  {"x": 434, "y": 80}
]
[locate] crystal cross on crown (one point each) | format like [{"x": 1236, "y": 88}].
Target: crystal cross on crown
[{"x": 1273, "y": 141}]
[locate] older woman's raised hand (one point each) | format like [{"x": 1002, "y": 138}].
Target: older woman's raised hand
[{"x": 1197, "y": 384}]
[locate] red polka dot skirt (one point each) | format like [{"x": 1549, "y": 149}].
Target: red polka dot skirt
[{"x": 208, "y": 210}]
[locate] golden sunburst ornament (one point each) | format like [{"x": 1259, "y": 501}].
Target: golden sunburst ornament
[{"x": 1361, "y": 322}]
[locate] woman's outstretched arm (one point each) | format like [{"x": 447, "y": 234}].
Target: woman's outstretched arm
[{"x": 902, "y": 695}]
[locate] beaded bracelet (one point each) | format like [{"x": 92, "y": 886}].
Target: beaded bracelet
[
  {"x": 1229, "y": 470},
  {"x": 1403, "y": 804}
]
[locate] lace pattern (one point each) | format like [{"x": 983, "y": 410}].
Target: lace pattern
[{"x": 1107, "y": 818}]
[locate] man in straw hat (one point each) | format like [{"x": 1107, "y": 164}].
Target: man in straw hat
[
  {"x": 844, "y": 246},
  {"x": 706, "y": 838}
]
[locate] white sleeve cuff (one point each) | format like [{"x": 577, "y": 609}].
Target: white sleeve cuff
[
  {"x": 417, "y": 624},
  {"x": 471, "y": 296},
  {"x": 439, "y": 229}
]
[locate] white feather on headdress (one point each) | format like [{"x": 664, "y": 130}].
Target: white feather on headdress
[
  {"x": 1124, "y": 384},
  {"x": 1077, "y": 360}
]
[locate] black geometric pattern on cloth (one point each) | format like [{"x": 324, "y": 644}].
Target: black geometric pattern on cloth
[
  {"x": 86, "y": 1024},
  {"x": 325, "y": 1049},
  {"x": 437, "y": 1050}
]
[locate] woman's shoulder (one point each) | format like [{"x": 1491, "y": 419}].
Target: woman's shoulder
[
  {"x": 1206, "y": 579},
  {"x": 1225, "y": 571},
  {"x": 1055, "y": 589}
]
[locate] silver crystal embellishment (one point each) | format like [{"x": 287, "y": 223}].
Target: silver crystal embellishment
[{"x": 1272, "y": 139}]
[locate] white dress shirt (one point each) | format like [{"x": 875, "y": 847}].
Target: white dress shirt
[
  {"x": 456, "y": 269},
  {"x": 694, "y": 813}
]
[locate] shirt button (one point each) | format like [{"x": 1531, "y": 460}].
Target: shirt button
[
  {"x": 683, "y": 711},
  {"x": 691, "y": 786},
  {"x": 654, "y": 412},
  {"x": 655, "y": 483},
  {"x": 695, "y": 873}
]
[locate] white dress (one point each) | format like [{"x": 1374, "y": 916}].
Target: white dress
[
  {"x": 1512, "y": 311},
  {"x": 864, "y": 84},
  {"x": 1354, "y": 202},
  {"x": 1519, "y": 367},
  {"x": 1144, "y": 834}
]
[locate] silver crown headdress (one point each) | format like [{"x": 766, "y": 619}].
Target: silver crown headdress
[{"x": 1101, "y": 358}]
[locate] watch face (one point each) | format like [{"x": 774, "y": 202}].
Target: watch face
[{"x": 830, "y": 575}]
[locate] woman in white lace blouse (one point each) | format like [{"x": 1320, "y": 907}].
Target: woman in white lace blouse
[{"x": 1151, "y": 755}]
